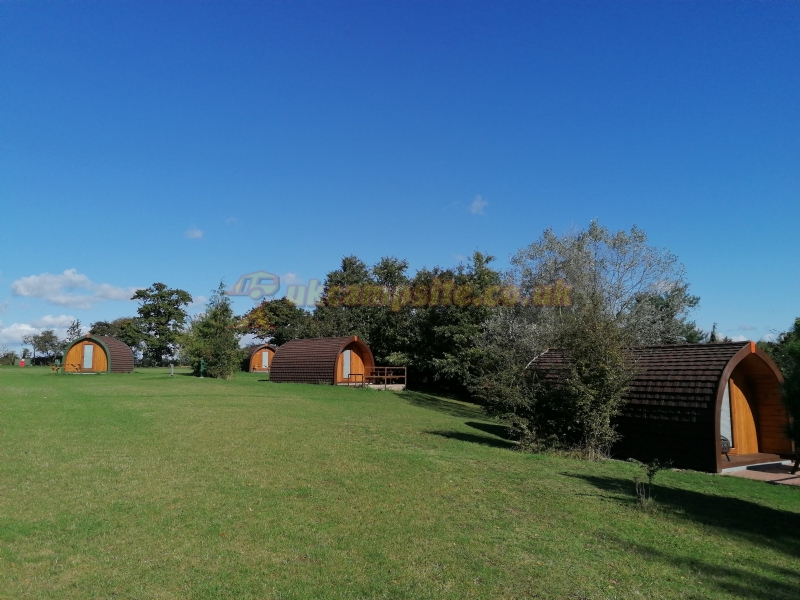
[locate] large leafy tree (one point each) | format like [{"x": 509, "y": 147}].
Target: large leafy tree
[
  {"x": 640, "y": 287},
  {"x": 623, "y": 293},
  {"x": 161, "y": 318},
  {"x": 277, "y": 321},
  {"x": 370, "y": 317},
  {"x": 333, "y": 319},
  {"x": 444, "y": 348}
]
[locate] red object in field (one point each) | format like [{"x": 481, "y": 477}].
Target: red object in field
[{"x": 22, "y": 362}]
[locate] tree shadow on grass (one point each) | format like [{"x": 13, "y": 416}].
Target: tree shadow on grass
[
  {"x": 757, "y": 524},
  {"x": 753, "y": 580},
  {"x": 442, "y": 405},
  {"x": 473, "y": 438},
  {"x": 497, "y": 429}
]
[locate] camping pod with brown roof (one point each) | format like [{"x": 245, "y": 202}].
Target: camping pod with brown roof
[
  {"x": 685, "y": 398},
  {"x": 98, "y": 354},
  {"x": 259, "y": 358},
  {"x": 332, "y": 361}
]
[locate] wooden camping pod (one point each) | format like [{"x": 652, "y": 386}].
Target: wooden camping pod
[
  {"x": 97, "y": 354},
  {"x": 332, "y": 361},
  {"x": 683, "y": 398},
  {"x": 259, "y": 358}
]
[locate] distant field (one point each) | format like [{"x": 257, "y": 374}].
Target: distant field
[{"x": 146, "y": 486}]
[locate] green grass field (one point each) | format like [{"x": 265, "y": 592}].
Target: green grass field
[{"x": 146, "y": 486}]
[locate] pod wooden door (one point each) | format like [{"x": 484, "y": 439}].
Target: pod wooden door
[{"x": 745, "y": 438}]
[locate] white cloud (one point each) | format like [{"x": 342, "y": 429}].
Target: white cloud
[
  {"x": 290, "y": 279},
  {"x": 60, "y": 289},
  {"x": 249, "y": 340},
  {"x": 477, "y": 205},
  {"x": 4, "y": 307},
  {"x": 194, "y": 234},
  {"x": 747, "y": 327},
  {"x": 768, "y": 337},
  {"x": 231, "y": 220},
  {"x": 739, "y": 338},
  {"x": 50, "y": 322},
  {"x": 13, "y": 334},
  {"x": 198, "y": 301}
]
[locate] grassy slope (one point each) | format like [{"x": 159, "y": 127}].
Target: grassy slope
[{"x": 142, "y": 486}]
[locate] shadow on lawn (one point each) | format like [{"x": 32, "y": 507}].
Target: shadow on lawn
[
  {"x": 500, "y": 431},
  {"x": 757, "y": 580},
  {"x": 443, "y": 405},
  {"x": 757, "y": 524},
  {"x": 475, "y": 439}
]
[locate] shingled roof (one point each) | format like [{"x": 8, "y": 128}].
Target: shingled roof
[
  {"x": 681, "y": 382},
  {"x": 310, "y": 360},
  {"x": 256, "y": 347},
  {"x": 678, "y": 379}
]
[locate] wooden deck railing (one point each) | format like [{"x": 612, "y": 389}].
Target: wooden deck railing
[
  {"x": 378, "y": 376},
  {"x": 387, "y": 376}
]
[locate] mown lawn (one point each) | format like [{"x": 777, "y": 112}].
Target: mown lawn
[{"x": 146, "y": 486}]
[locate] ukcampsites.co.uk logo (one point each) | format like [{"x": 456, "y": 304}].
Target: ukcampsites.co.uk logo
[
  {"x": 439, "y": 292},
  {"x": 263, "y": 284}
]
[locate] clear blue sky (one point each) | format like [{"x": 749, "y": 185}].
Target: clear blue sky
[{"x": 186, "y": 142}]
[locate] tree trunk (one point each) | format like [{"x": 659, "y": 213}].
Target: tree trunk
[{"x": 796, "y": 464}]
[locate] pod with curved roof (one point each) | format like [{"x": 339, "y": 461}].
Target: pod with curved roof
[
  {"x": 685, "y": 398},
  {"x": 332, "y": 361},
  {"x": 97, "y": 354},
  {"x": 259, "y": 358}
]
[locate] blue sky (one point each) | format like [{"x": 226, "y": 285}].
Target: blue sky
[{"x": 186, "y": 142}]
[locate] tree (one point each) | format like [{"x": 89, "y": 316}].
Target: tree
[
  {"x": 714, "y": 338},
  {"x": 622, "y": 293},
  {"x": 161, "y": 319},
  {"x": 29, "y": 340},
  {"x": 74, "y": 331},
  {"x": 643, "y": 289},
  {"x": 333, "y": 319},
  {"x": 576, "y": 411},
  {"x": 444, "y": 348},
  {"x": 277, "y": 320},
  {"x": 46, "y": 343},
  {"x": 369, "y": 314},
  {"x": 213, "y": 338},
  {"x": 7, "y": 356}
]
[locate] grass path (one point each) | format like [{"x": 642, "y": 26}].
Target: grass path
[{"x": 146, "y": 486}]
